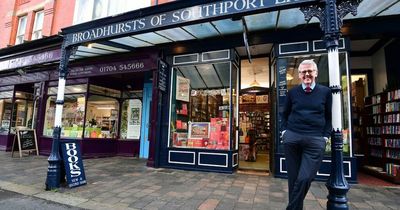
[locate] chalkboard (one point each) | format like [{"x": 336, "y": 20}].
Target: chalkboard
[{"x": 25, "y": 140}]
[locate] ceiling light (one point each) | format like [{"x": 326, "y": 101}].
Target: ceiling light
[
  {"x": 105, "y": 107},
  {"x": 21, "y": 72},
  {"x": 289, "y": 76}
]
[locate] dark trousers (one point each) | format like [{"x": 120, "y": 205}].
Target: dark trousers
[{"x": 303, "y": 158}]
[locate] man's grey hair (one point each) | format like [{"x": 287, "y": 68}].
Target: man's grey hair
[{"x": 311, "y": 62}]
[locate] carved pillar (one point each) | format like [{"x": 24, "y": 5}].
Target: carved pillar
[
  {"x": 54, "y": 168},
  {"x": 330, "y": 14}
]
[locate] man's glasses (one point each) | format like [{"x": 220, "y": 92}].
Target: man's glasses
[{"x": 306, "y": 71}]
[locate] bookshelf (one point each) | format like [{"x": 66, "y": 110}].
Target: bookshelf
[
  {"x": 254, "y": 113},
  {"x": 382, "y": 129}
]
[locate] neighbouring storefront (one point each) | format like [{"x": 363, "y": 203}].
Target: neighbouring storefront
[
  {"x": 106, "y": 107},
  {"x": 107, "y": 104},
  {"x": 23, "y": 72}
]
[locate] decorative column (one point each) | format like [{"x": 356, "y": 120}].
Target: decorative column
[
  {"x": 54, "y": 168},
  {"x": 330, "y": 14}
]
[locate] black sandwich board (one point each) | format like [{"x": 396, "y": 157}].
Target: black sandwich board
[{"x": 25, "y": 140}]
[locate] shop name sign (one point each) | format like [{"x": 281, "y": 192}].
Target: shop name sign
[
  {"x": 28, "y": 60},
  {"x": 200, "y": 12}
]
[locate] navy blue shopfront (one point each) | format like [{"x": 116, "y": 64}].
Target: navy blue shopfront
[
  {"x": 199, "y": 124},
  {"x": 285, "y": 58}
]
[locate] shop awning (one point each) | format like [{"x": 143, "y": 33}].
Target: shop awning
[{"x": 267, "y": 21}]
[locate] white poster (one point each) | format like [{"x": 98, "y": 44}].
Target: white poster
[
  {"x": 134, "y": 118},
  {"x": 182, "y": 89}
]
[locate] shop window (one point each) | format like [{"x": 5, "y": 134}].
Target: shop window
[
  {"x": 22, "y": 115},
  {"x": 101, "y": 117},
  {"x": 38, "y": 25},
  {"x": 72, "y": 116},
  {"x": 21, "y": 30},
  {"x": 87, "y": 10},
  {"x": 293, "y": 80},
  {"x": 131, "y": 119},
  {"x": 68, "y": 89},
  {"x": 94, "y": 89},
  {"x": 5, "y": 112},
  {"x": 200, "y": 104}
]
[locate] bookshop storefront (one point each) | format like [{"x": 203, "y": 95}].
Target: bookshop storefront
[{"x": 195, "y": 121}]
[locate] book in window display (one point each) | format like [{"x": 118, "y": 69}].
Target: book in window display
[
  {"x": 199, "y": 130},
  {"x": 180, "y": 139},
  {"x": 219, "y": 134},
  {"x": 182, "y": 89},
  {"x": 199, "y": 133}
]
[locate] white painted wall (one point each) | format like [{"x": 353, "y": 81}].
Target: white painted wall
[{"x": 379, "y": 71}]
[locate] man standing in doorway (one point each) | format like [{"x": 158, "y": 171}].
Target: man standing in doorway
[{"x": 306, "y": 126}]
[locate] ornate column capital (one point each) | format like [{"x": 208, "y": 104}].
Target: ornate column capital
[
  {"x": 330, "y": 14},
  {"x": 66, "y": 53}
]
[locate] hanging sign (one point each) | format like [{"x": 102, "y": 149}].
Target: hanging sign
[
  {"x": 224, "y": 8},
  {"x": 134, "y": 119},
  {"x": 25, "y": 140},
  {"x": 74, "y": 171},
  {"x": 162, "y": 75}
]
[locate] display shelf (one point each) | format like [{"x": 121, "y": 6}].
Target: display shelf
[
  {"x": 382, "y": 129},
  {"x": 254, "y": 113},
  {"x": 380, "y": 173}
]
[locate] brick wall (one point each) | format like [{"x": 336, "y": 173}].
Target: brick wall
[{"x": 57, "y": 15}]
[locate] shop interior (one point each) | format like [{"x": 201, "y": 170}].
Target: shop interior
[{"x": 255, "y": 133}]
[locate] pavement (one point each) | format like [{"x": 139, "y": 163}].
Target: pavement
[{"x": 127, "y": 183}]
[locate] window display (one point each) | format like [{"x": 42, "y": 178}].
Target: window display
[
  {"x": 5, "y": 115},
  {"x": 101, "y": 117},
  {"x": 22, "y": 114},
  {"x": 72, "y": 116},
  {"x": 200, "y": 116}
]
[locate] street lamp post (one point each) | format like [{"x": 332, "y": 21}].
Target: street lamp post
[
  {"x": 54, "y": 169},
  {"x": 330, "y": 14}
]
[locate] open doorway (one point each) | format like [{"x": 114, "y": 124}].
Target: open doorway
[{"x": 254, "y": 113}]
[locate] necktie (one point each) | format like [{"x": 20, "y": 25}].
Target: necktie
[{"x": 308, "y": 89}]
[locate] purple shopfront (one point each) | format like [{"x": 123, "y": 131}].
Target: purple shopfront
[
  {"x": 107, "y": 102},
  {"x": 21, "y": 87},
  {"x": 106, "y": 107}
]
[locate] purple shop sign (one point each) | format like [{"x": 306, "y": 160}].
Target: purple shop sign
[
  {"x": 120, "y": 67},
  {"x": 27, "y": 78},
  {"x": 42, "y": 57}
]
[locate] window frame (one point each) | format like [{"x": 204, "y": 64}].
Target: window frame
[
  {"x": 37, "y": 33},
  {"x": 20, "y": 35}
]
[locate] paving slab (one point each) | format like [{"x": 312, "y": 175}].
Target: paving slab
[{"x": 127, "y": 183}]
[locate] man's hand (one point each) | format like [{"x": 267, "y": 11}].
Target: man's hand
[
  {"x": 326, "y": 139},
  {"x": 281, "y": 137}
]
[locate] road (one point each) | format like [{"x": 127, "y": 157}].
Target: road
[{"x": 14, "y": 201}]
